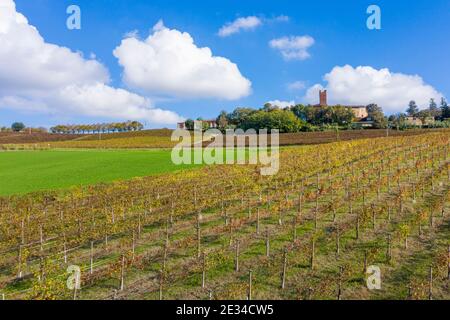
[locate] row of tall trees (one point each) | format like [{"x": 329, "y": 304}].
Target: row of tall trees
[
  {"x": 98, "y": 128},
  {"x": 438, "y": 113},
  {"x": 308, "y": 118},
  {"x": 283, "y": 120},
  {"x": 268, "y": 117},
  {"x": 290, "y": 119},
  {"x": 324, "y": 115}
]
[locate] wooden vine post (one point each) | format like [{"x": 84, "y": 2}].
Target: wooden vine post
[
  {"x": 339, "y": 291},
  {"x": 20, "y": 272},
  {"x": 237, "y": 256},
  {"x": 204, "y": 270},
  {"x": 294, "y": 229},
  {"x": 257, "y": 221},
  {"x": 365, "y": 262},
  {"x": 430, "y": 289},
  {"x": 91, "y": 269},
  {"x": 357, "y": 225},
  {"x": 122, "y": 274},
  {"x": 316, "y": 208},
  {"x": 448, "y": 263},
  {"x": 198, "y": 235},
  {"x": 161, "y": 284},
  {"x": 338, "y": 241},
  {"x": 283, "y": 277},
  {"x": 250, "y": 284},
  {"x": 389, "y": 248},
  {"x": 313, "y": 252}
]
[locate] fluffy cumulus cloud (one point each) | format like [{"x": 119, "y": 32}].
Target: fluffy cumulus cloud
[
  {"x": 169, "y": 63},
  {"x": 36, "y": 76},
  {"x": 240, "y": 24},
  {"x": 294, "y": 47},
  {"x": 282, "y": 104},
  {"x": 364, "y": 85}
]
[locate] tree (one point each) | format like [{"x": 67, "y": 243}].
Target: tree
[
  {"x": 377, "y": 115},
  {"x": 398, "y": 121},
  {"x": 136, "y": 126},
  {"x": 284, "y": 121},
  {"x": 341, "y": 115},
  {"x": 300, "y": 111},
  {"x": 269, "y": 107},
  {"x": 433, "y": 105},
  {"x": 222, "y": 120},
  {"x": 239, "y": 115},
  {"x": 189, "y": 123},
  {"x": 423, "y": 115},
  {"x": 445, "y": 109},
  {"x": 435, "y": 112},
  {"x": 413, "y": 109},
  {"x": 17, "y": 126}
]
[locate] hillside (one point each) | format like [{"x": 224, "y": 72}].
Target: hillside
[
  {"x": 23, "y": 137},
  {"x": 148, "y": 139},
  {"x": 223, "y": 232}
]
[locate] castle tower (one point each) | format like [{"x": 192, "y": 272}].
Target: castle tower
[{"x": 323, "y": 98}]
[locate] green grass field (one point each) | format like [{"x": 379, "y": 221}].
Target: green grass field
[{"x": 27, "y": 171}]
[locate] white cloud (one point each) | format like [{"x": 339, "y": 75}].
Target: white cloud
[
  {"x": 100, "y": 100},
  {"x": 169, "y": 63},
  {"x": 364, "y": 85},
  {"x": 247, "y": 23},
  {"x": 36, "y": 76},
  {"x": 282, "y": 104},
  {"x": 293, "y": 48},
  {"x": 296, "y": 86}
]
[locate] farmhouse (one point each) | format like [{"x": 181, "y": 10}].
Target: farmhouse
[
  {"x": 199, "y": 124},
  {"x": 415, "y": 121},
  {"x": 360, "y": 112}
]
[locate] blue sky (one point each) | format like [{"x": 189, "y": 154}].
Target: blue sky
[{"x": 413, "y": 41}]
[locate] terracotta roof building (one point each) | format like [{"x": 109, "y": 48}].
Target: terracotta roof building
[{"x": 360, "y": 112}]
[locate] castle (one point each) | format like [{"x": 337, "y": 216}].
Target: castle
[{"x": 360, "y": 112}]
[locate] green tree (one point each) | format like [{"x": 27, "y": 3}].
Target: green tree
[
  {"x": 398, "y": 121},
  {"x": 445, "y": 109},
  {"x": 17, "y": 126},
  {"x": 189, "y": 123},
  {"x": 239, "y": 115},
  {"x": 413, "y": 109},
  {"x": 341, "y": 115},
  {"x": 434, "y": 110},
  {"x": 377, "y": 115},
  {"x": 222, "y": 120},
  {"x": 433, "y": 105},
  {"x": 300, "y": 111},
  {"x": 423, "y": 115},
  {"x": 284, "y": 121}
]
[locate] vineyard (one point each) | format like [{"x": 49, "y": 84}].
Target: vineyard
[
  {"x": 312, "y": 231},
  {"x": 161, "y": 139}
]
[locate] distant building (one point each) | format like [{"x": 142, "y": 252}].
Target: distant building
[
  {"x": 210, "y": 124},
  {"x": 323, "y": 98},
  {"x": 199, "y": 124},
  {"x": 360, "y": 112},
  {"x": 415, "y": 121}
]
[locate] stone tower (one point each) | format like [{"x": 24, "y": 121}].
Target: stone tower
[{"x": 323, "y": 98}]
